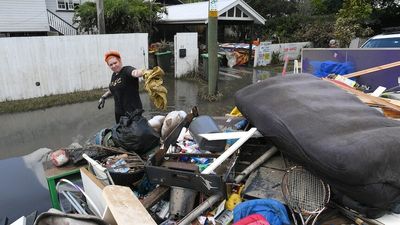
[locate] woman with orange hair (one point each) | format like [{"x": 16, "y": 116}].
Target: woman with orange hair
[{"x": 124, "y": 86}]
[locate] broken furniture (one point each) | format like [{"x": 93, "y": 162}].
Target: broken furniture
[{"x": 54, "y": 174}]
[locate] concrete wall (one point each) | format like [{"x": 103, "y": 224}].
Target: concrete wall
[
  {"x": 63, "y": 64},
  {"x": 190, "y": 62}
]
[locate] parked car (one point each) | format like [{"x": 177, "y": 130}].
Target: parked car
[{"x": 383, "y": 41}]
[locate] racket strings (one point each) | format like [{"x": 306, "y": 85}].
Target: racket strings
[{"x": 306, "y": 193}]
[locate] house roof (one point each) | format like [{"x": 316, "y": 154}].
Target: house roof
[
  {"x": 169, "y": 2},
  {"x": 233, "y": 10}
]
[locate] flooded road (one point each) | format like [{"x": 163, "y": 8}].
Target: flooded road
[{"x": 57, "y": 127}]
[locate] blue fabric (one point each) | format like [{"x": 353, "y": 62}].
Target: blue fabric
[
  {"x": 273, "y": 211},
  {"x": 323, "y": 69}
]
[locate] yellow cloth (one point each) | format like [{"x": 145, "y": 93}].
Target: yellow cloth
[{"x": 153, "y": 86}]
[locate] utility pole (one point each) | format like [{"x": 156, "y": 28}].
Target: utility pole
[
  {"x": 100, "y": 17},
  {"x": 212, "y": 47}
]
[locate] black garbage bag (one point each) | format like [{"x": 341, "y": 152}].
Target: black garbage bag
[{"x": 133, "y": 133}]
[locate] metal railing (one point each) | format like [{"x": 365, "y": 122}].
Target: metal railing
[{"x": 60, "y": 25}]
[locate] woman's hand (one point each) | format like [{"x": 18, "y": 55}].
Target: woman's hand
[
  {"x": 137, "y": 73},
  {"x": 102, "y": 101}
]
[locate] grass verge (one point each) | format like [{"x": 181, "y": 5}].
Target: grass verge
[{"x": 49, "y": 101}]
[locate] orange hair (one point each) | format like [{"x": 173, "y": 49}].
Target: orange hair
[{"x": 111, "y": 53}]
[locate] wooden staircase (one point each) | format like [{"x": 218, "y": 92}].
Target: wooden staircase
[{"x": 61, "y": 26}]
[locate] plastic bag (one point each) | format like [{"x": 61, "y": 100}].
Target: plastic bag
[
  {"x": 231, "y": 57},
  {"x": 133, "y": 133}
]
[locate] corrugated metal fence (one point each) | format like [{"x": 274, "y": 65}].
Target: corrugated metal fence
[{"x": 38, "y": 66}]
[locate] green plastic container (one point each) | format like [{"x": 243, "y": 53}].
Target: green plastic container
[
  {"x": 152, "y": 60},
  {"x": 164, "y": 60},
  {"x": 204, "y": 58}
]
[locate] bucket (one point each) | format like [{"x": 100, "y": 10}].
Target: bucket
[{"x": 181, "y": 201}]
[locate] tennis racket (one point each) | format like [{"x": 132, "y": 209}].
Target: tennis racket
[{"x": 305, "y": 194}]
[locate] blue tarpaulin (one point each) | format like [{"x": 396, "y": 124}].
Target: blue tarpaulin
[{"x": 324, "y": 68}]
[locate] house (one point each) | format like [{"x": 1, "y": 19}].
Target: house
[
  {"x": 37, "y": 17},
  {"x": 54, "y": 17},
  {"x": 193, "y": 17}
]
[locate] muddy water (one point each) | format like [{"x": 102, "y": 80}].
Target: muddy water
[{"x": 56, "y": 127}]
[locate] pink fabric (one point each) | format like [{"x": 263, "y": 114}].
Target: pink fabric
[{"x": 253, "y": 219}]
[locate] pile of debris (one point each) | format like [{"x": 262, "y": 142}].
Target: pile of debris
[{"x": 226, "y": 170}]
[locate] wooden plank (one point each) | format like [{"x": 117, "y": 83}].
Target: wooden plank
[
  {"x": 154, "y": 196},
  {"x": 366, "y": 97},
  {"x": 52, "y": 171},
  {"x": 392, "y": 101},
  {"x": 372, "y": 69},
  {"x": 108, "y": 217},
  {"x": 125, "y": 207}
]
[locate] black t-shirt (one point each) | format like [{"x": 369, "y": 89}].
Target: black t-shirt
[{"x": 125, "y": 90}]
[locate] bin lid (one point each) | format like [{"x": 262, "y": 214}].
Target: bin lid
[{"x": 163, "y": 53}]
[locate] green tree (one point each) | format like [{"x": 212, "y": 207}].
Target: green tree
[
  {"x": 326, "y": 7},
  {"x": 282, "y": 28},
  {"x": 310, "y": 20},
  {"x": 385, "y": 14},
  {"x": 273, "y": 8},
  {"x": 86, "y": 17},
  {"x": 121, "y": 16},
  {"x": 317, "y": 29},
  {"x": 352, "y": 21}
]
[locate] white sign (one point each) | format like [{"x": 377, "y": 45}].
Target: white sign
[
  {"x": 263, "y": 53},
  {"x": 291, "y": 50},
  {"x": 213, "y": 5}
]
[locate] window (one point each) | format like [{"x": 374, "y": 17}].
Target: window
[
  {"x": 383, "y": 43},
  {"x": 238, "y": 12},
  {"x": 231, "y": 12},
  {"x": 68, "y": 5}
]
